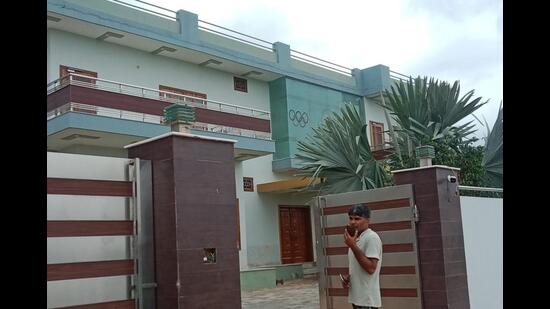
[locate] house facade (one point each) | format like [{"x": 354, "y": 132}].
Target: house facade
[{"x": 113, "y": 67}]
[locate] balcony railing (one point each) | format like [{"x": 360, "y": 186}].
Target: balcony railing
[{"x": 158, "y": 95}]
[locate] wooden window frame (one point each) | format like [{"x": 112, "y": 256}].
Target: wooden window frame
[
  {"x": 64, "y": 70},
  {"x": 373, "y": 125}
]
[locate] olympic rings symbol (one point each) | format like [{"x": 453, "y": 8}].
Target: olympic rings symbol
[{"x": 298, "y": 118}]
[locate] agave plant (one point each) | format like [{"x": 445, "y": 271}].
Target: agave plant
[
  {"x": 429, "y": 110},
  {"x": 338, "y": 152}
]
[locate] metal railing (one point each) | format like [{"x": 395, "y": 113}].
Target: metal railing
[
  {"x": 320, "y": 62},
  {"x": 226, "y": 32},
  {"x": 399, "y": 76},
  {"x": 155, "y": 119},
  {"x": 481, "y": 191},
  {"x": 123, "y": 88},
  {"x": 153, "y": 9}
]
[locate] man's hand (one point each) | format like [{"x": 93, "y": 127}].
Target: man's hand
[
  {"x": 345, "y": 281},
  {"x": 349, "y": 239}
]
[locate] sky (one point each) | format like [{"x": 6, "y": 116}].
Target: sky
[{"x": 448, "y": 40}]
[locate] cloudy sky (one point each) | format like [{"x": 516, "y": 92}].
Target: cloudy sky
[{"x": 449, "y": 40}]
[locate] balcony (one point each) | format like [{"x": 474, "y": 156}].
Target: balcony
[{"x": 143, "y": 108}]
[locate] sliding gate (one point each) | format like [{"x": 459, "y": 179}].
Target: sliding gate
[{"x": 393, "y": 218}]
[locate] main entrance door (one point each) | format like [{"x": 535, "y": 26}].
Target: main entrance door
[{"x": 295, "y": 234}]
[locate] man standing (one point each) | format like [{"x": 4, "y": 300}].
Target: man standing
[{"x": 365, "y": 260}]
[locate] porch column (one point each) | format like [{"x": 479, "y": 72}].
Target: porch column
[
  {"x": 194, "y": 210},
  {"x": 442, "y": 259}
]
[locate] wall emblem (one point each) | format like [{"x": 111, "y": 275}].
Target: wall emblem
[{"x": 298, "y": 118}]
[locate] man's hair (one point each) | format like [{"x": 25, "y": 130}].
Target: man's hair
[{"x": 359, "y": 210}]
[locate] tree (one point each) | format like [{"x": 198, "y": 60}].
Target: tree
[{"x": 339, "y": 153}]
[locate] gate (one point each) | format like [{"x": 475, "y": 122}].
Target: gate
[
  {"x": 96, "y": 209},
  {"x": 393, "y": 218}
]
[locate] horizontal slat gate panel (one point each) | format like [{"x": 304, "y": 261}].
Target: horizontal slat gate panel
[
  {"x": 66, "y": 271},
  {"x": 385, "y": 249},
  {"x": 343, "y": 209},
  {"x": 89, "y": 187},
  {"x": 385, "y": 270},
  {"x": 386, "y": 226},
  {"x": 383, "y": 292},
  {"x": 121, "y": 304},
  {"x": 90, "y": 228}
]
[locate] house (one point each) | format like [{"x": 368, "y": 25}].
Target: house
[{"x": 113, "y": 67}]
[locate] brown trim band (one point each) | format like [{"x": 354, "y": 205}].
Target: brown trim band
[
  {"x": 378, "y": 227},
  {"x": 385, "y": 270},
  {"x": 383, "y": 292},
  {"x": 89, "y": 187},
  {"x": 90, "y": 228},
  {"x": 66, "y": 271},
  {"x": 119, "y": 304},
  {"x": 390, "y": 248},
  {"x": 343, "y": 209}
]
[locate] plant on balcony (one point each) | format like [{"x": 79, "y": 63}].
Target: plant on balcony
[{"x": 338, "y": 152}]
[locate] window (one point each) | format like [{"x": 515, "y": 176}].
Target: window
[
  {"x": 377, "y": 135},
  {"x": 65, "y": 70},
  {"x": 190, "y": 101},
  {"x": 240, "y": 84},
  {"x": 248, "y": 184}
]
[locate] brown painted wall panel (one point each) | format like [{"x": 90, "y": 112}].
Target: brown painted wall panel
[
  {"x": 65, "y": 271},
  {"x": 89, "y": 228},
  {"x": 232, "y": 120},
  {"x": 58, "y": 98},
  {"x": 97, "y": 97},
  {"x": 89, "y": 187},
  {"x": 121, "y": 304},
  {"x": 114, "y": 100},
  {"x": 199, "y": 213}
]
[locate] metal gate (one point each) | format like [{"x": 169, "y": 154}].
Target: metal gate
[
  {"x": 96, "y": 209},
  {"x": 393, "y": 218}
]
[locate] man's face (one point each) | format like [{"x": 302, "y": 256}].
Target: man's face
[{"x": 358, "y": 222}]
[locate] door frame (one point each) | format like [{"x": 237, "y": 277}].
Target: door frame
[{"x": 309, "y": 236}]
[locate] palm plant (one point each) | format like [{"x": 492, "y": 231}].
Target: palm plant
[
  {"x": 492, "y": 157},
  {"x": 429, "y": 110},
  {"x": 338, "y": 152}
]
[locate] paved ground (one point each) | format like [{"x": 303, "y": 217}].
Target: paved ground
[{"x": 295, "y": 294}]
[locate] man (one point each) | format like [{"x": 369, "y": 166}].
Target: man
[{"x": 365, "y": 260}]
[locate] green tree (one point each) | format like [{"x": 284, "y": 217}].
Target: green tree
[{"x": 338, "y": 152}]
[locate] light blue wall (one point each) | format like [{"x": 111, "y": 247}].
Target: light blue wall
[
  {"x": 261, "y": 212},
  {"x": 292, "y": 103}
]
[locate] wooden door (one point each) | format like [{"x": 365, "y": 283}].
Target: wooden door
[{"x": 295, "y": 234}]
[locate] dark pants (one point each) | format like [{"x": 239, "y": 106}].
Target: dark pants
[{"x": 362, "y": 307}]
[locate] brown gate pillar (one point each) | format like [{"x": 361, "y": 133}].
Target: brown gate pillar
[
  {"x": 194, "y": 210},
  {"x": 440, "y": 239}
]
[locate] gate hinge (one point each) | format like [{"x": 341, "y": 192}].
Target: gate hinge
[{"x": 415, "y": 214}]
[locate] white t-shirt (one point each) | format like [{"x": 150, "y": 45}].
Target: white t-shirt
[{"x": 365, "y": 287}]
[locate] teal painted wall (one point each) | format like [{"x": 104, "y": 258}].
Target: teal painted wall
[{"x": 297, "y": 107}]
